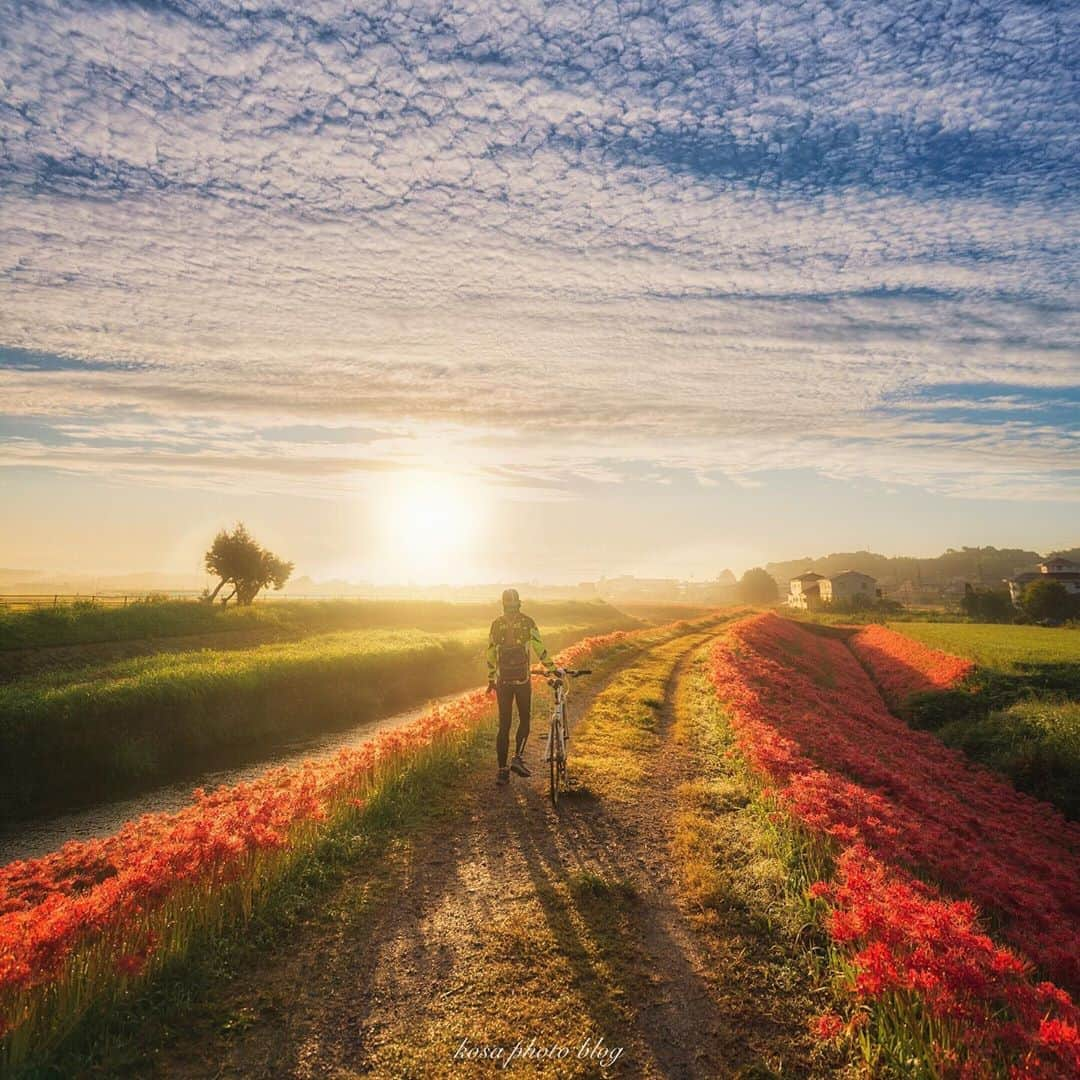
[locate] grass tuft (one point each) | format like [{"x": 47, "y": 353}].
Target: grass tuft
[{"x": 587, "y": 884}]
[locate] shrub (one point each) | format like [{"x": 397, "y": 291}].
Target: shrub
[
  {"x": 758, "y": 586},
  {"x": 1048, "y": 600},
  {"x": 988, "y": 605}
]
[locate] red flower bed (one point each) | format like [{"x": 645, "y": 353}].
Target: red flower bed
[
  {"x": 902, "y": 667},
  {"x": 899, "y": 806}
]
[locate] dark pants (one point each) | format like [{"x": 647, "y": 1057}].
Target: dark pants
[{"x": 507, "y": 694}]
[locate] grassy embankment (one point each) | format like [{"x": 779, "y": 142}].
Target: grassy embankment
[
  {"x": 68, "y": 737},
  {"x": 1019, "y": 713},
  {"x": 362, "y": 844},
  {"x": 745, "y": 863}
]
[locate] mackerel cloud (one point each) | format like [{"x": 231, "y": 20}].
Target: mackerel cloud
[{"x": 542, "y": 243}]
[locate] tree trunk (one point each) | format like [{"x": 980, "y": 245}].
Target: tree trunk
[
  {"x": 224, "y": 603},
  {"x": 213, "y": 596}
]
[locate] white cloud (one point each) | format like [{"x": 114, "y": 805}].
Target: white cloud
[{"x": 720, "y": 238}]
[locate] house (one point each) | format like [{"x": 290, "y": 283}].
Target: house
[
  {"x": 804, "y": 591},
  {"x": 1061, "y": 567},
  {"x": 1056, "y": 568},
  {"x": 847, "y": 586},
  {"x": 809, "y": 591},
  {"x": 911, "y": 592}
]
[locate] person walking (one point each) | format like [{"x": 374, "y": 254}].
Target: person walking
[{"x": 512, "y": 635}]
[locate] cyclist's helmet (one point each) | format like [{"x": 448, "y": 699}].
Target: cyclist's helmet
[{"x": 510, "y": 600}]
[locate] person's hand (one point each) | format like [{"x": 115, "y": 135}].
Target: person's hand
[{"x": 491, "y": 688}]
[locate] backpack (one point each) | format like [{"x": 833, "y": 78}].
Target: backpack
[{"x": 512, "y": 635}]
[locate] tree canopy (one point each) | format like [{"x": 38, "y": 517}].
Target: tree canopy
[
  {"x": 758, "y": 586},
  {"x": 988, "y": 605},
  {"x": 240, "y": 561},
  {"x": 1048, "y": 600}
]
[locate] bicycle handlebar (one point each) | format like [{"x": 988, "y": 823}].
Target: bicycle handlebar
[{"x": 566, "y": 671}]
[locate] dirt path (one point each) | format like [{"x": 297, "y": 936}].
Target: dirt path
[{"x": 509, "y": 922}]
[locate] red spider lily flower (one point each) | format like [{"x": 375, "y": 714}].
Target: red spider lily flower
[{"x": 827, "y": 1027}]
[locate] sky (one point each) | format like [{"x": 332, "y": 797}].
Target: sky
[{"x": 540, "y": 291}]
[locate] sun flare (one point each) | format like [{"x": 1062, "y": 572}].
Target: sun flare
[{"x": 430, "y": 525}]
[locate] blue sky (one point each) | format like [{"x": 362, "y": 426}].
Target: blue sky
[{"x": 759, "y": 255}]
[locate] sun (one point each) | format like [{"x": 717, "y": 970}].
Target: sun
[
  {"x": 430, "y": 525},
  {"x": 432, "y": 517}
]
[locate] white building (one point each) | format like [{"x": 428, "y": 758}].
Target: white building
[
  {"x": 846, "y": 586},
  {"x": 804, "y": 591},
  {"x": 810, "y": 591}
]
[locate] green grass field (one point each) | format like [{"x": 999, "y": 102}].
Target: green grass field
[
  {"x": 71, "y": 736},
  {"x": 85, "y": 623},
  {"x": 994, "y": 645},
  {"x": 1021, "y": 713}
]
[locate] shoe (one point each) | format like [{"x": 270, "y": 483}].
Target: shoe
[
  {"x": 518, "y": 766},
  {"x": 503, "y": 777}
]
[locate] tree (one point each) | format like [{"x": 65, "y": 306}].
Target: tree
[
  {"x": 758, "y": 586},
  {"x": 1047, "y": 600},
  {"x": 987, "y": 605},
  {"x": 240, "y": 561}
]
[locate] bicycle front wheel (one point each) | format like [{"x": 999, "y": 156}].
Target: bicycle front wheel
[{"x": 557, "y": 758}]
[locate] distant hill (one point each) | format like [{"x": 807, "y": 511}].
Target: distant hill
[{"x": 979, "y": 565}]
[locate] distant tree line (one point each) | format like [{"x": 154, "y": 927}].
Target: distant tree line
[
  {"x": 1042, "y": 601},
  {"x": 978, "y": 564}
]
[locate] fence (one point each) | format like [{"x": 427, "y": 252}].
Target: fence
[
  {"x": 26, "y": 601},
  {"x": 23, "y": 601}
]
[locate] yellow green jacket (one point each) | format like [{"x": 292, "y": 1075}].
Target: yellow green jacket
[{"x": 510, "y": 630}]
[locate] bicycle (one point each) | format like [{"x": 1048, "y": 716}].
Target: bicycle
[{"x": 558, "y": 733}]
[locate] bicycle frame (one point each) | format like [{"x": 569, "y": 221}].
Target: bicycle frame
[
  {"x": 555, "y": 754},
  {"x": 558, "y": 731}
]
